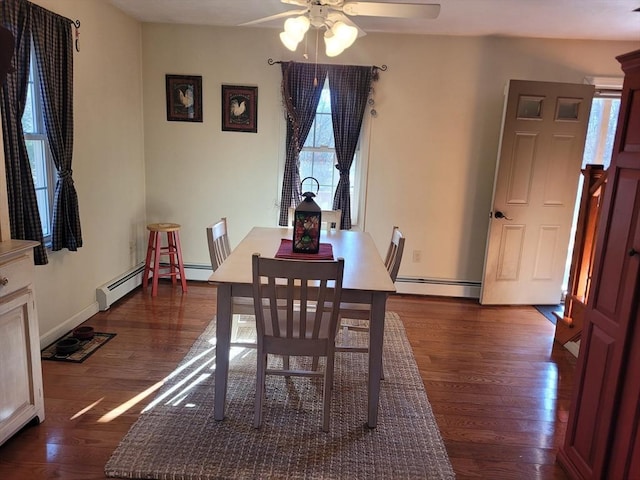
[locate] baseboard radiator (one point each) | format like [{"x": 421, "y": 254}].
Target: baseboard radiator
[
  {"x": 409, "y": 285},
  {"x": 117, "y": 288},
  {"x": 438, "y": 287},
  {"x": 197, "y": 272}
]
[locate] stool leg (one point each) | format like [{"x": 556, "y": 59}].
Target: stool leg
[
  {"x": 156, "y": 265},
  {"x": 147, "y": 263},
  {"x": 171, "y": 252},
  {"x": 183, "y": 279}
]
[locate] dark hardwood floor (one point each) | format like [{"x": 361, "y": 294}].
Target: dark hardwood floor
[{"x": 499, "y": 387}]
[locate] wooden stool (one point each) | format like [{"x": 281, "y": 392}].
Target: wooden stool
[{"x": 155, "y": 250}]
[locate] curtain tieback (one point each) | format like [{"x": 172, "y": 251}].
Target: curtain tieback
[{"x": 65, "y": 175}]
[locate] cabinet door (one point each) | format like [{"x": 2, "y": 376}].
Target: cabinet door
[
  {"x": 20, "y": 371},
  {"x": 601, "y": 434},
  {"x": 625, "y": 452},
  {"x": 609, "y": 320}
]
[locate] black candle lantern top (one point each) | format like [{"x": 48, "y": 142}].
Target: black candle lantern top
[{"x": 306, "y": 223}]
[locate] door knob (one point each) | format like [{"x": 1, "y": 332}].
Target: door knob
[
  {"x": 633, "y": 252},
  {"x": 499, "y": 214}
]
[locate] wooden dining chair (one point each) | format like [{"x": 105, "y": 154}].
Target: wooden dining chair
[
  {"x": 330, "y": 219},
  {"x": 362, "y": 312},
  {"x": 219, "y": 250},
  {"x": 218, "y": 240},
  {"x": 297, "y": 307}
]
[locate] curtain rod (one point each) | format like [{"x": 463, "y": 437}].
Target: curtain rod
[
  {"x": 74, "y": 23},
  {"x": 77, "y": 39},
  {"x": 271, "y": 61}
]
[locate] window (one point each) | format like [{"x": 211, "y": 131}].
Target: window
[
  {"x": 42, "y": 166},
  {"x": 318, "y": 157},
  {"x": 601, "y": 132},
  {"x": 602, "y": 129}
]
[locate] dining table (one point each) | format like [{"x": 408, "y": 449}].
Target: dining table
[{"x": 365, "y": 281}]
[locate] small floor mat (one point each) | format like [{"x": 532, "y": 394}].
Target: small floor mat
[
  {"x": 547, "y": 311},
  {"x": 87, "y": 348}
]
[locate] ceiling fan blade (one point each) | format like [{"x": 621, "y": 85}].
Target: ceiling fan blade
[
  {"x": 300, "y": 3},
  {"x": 290, "y": 13},
  {"x": 397, "y": 10}
]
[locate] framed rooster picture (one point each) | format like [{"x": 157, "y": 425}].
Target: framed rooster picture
[
  {"x": 239, "y": 108},
  {"x": 184, "y": 98}
]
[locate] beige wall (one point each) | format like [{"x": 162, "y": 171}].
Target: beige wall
[
  {"x": 108, "y": 165},
  {"x": 431, "y": 148},
  {"x": 439, "y": 127},
  {"x": 196, "y": 173}
]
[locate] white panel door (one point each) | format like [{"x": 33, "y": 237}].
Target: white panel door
[{"x": 542, "y": 142}]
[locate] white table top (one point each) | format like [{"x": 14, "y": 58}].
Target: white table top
[{"x": 364, "y": 270}]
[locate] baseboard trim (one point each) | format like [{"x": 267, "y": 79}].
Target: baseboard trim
[
  {"x": 438, "y": 287},
  {"x": 194, "y": 271},
  {"x": 60, "y": 330}
]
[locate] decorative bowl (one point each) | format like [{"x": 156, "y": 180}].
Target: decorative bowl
[
  {"x": 67, "y": 345},
  {"x": 83, "y": 333}
]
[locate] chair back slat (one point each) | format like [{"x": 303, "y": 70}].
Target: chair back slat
[
  {"x": 303, "y": 307},
  {"x": 218, "y": 241},
  {"x": 321, "y": 306},
  {"x": 394, "y": 253}
]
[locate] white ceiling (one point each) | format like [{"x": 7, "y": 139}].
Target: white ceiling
[{"x": 570, "y": 19}]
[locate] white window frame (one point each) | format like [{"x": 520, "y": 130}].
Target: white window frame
[
  {"x": 43, "y": 168},
  {"x": 600, "y": 137},
  {"x": 358, "y": 167}
]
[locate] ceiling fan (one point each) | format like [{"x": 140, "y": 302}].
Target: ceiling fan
[{"x": 333, "y": 16}]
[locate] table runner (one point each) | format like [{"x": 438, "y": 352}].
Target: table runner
[{"x": 286, "y": 251}]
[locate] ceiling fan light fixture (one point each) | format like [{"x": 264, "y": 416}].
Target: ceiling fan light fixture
[
  {"x": 297, "y": 27},
  {"x": 333, "y": 44},
  {"x": 332, "y": 16},
  {"x": 294, "y": 30},
  {"x": 346, "y": 33},
  {"x": 338, "y": 38},
  {"x": 288, "y": 41}
]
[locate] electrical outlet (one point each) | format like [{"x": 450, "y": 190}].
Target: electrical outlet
[{"x": 417, "y": 256}]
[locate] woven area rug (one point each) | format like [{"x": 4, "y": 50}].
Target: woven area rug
[{"x": 177, "y": 438}]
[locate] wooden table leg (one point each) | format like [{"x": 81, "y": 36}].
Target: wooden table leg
[
  {"x": 223, "y": 341},
  {"x": 376, "y": 337}
]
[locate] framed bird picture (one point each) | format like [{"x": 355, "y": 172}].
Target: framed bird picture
[
  {"x": 239, "y": 108},
  {"x": 184, "y": 98}
]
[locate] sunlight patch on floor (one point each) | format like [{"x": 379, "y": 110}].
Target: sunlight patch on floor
[
  {"x": 124, "y": 407},
  {"x": 86, "y": 409},
  {"x": 179, "y": 392}
]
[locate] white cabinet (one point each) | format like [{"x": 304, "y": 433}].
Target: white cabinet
[{"x": 21, "y": 396}]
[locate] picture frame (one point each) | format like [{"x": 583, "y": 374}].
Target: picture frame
[
  {"x": 239, "y": 108},
  {"x": 184, "y": 98}
]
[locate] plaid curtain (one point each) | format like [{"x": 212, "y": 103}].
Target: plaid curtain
[
  {"x": 21, "y": 196},
  {"x": 350, "y": 87},
  {"x": 52, "y": 43},
  {"x": 301, "y": 88}
]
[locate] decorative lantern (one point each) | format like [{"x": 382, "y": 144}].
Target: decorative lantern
[{"x": 306, "y": 223}]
